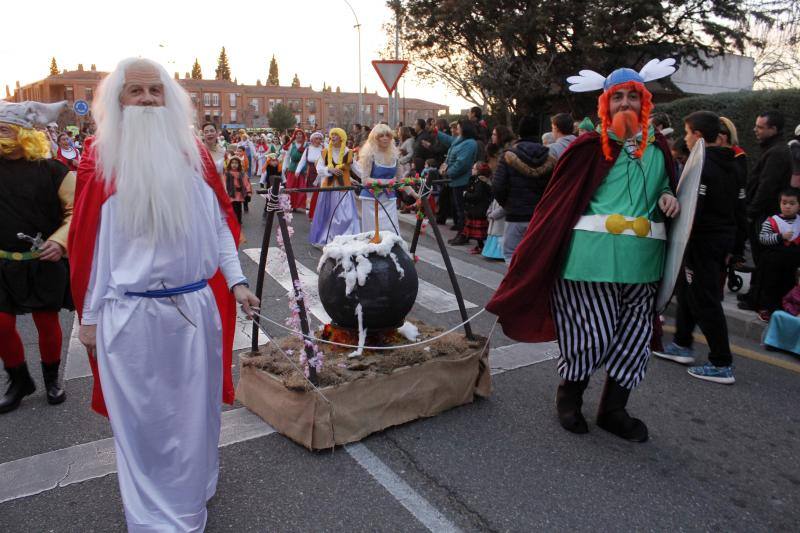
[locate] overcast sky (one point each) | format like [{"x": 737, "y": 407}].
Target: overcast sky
[{"x": 313, "y": 38}]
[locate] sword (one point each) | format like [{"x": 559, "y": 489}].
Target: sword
[
  {"x": 37, "y": 241},
  {"x": 174, "y": 301}
]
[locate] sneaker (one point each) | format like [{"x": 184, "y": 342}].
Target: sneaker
[
  {"x": 764, "y": 315},
  {"x": 679, "y": 354},
  {"x": 717, "y": 374}
]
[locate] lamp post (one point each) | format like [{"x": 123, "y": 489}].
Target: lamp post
[{"x": 360, "y": 113}]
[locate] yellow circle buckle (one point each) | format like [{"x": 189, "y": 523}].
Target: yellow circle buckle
[{"x": 616, "y": 224}]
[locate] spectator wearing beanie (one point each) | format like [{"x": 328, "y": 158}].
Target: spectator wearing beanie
[{"x": 519, "y": 182}]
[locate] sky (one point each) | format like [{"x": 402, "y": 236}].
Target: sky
[{"x": 313, "y": 38}]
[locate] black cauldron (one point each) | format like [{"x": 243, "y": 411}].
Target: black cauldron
[{"x": 385, "y": 297}]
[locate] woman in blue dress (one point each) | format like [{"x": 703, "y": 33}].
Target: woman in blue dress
[{"x": 335, "y": 212}]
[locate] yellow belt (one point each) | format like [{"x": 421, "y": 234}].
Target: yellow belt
[{"x": 621, "y": 225}]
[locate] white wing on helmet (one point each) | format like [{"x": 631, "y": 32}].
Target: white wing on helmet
[
  {"x": 656, "y": 69},
  {"x": 586, "y": 80}
]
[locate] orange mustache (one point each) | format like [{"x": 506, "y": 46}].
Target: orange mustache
[{"x": 625, "y": 124}]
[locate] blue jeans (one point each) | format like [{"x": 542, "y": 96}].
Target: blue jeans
[{"x": 512, "y": 236}]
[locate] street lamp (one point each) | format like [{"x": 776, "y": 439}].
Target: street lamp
[{"x": 360, "y": 88}]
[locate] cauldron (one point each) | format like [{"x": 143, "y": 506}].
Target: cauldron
[{"x": 385, "y": 298}]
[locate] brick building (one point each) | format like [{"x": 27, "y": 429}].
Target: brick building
[{"x": 226, "y": 102}]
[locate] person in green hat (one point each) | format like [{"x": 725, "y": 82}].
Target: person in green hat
[{"x": 585, "y": 126}]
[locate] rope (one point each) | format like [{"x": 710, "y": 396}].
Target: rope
[
  {"x": 273, "y": 202},
  {"x": 385, "y": 348}
]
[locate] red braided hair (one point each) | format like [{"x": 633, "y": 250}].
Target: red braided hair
[{"x": 605, "y": 116}]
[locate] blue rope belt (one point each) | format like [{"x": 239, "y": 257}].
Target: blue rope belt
[{"x": 166, "y": 293}]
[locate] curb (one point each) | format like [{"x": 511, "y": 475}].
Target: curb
[{"x": 748, "y": 328}]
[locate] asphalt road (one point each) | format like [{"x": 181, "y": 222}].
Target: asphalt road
[{"x": 720, "y": 458}]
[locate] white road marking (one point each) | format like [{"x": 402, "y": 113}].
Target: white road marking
[
  {"x": 476, "y": 273},
  {"x": 77, "y": 365},
  {"x": 59, "y": 468},
  {"x": 278, "y": 269},
  {"x": 429, "y": 295},
  {"x": 414, "y": 503}
]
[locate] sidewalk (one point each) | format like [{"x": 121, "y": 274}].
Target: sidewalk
[{"x": 740, "y": 322}]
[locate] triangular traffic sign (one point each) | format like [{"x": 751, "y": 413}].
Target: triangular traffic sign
[{"x": 390, "y": 71}]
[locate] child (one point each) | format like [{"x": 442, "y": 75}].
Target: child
[
  {"x": 241, "y": 154},
  {"x": 784, "y": 326},
  {"x": 477, "y": 198},
  {"x": 237, "y": 185},
  {"x": 780, "y": 237},
  {"x": 493, "y": 248}
]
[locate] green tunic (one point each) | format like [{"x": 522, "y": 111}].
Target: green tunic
[{"x": 632, "y": 188}]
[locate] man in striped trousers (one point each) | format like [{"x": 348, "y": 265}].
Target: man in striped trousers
[{"x": 589, "y": 267}]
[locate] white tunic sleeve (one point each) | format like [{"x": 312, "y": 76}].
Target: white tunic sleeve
[
  {"x": 302, "y": 164},
  {"x": 89, "y": 317},
  {"x": 228, "y": 256},
  {"x": 322, "y": 171}
]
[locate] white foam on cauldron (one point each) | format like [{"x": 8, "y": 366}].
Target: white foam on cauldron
[
  {"x": 352, "y": 252},
  {"x": 409, "y": 331},
  {"x": 362, "y": 333}
]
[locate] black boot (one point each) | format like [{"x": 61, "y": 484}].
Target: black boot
[
  {"x": 612, "y": 416},
  {"x": 20, "y": 385},
  {"x": 569, "y": 399},
  {"x": 55, "y": 394}
]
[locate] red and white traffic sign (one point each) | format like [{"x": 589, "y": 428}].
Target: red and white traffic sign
[{"x": 390, "y": 71}]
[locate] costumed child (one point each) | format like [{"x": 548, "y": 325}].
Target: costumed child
[
  {"x": 432, "y": 169},
  {"x": 336, "y": 212},
  {"x": 246, "y": 170},
  {"x": 780, "y": 238},
  {"x": 237, "y": 185},
  {"x": 292, "y": 157},
  {"x": 307, "y": 167},
  {"x": 477, "y": 198},
  {"x": 493, "y": 247},
  {"x": 36, "y": 200},
  {"x": 783, "y": 332}
]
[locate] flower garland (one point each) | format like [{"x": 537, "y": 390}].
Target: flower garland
[{"x": 295, "y": 297}]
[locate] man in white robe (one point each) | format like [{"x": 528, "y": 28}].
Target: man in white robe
[{"x": 148, "y": 313}]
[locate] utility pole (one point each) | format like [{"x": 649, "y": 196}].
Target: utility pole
[{"x": 360, "y": 112}]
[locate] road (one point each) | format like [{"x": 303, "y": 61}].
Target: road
[{"x": 719, "y": 457}]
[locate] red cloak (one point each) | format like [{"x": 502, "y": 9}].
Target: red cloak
[
  {"x": 90, "y": 194},
  {"x": 522, "y": 301}
]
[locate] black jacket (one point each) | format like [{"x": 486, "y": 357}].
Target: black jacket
[
  {"x": 720, "y": 210},
  {"x": 477, "y": 197},
  {"x": 771, "y": 174},
  {"x": 518, "y": 188},
  {"x": 436, "y": 151}
]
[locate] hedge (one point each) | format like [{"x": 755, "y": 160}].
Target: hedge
[{"x": 742, "y": 108}]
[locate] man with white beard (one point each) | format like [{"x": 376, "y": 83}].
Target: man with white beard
[{"x": 154, "y": 277}]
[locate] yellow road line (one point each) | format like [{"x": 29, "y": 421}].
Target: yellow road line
[{"x": 748, "y": 353}]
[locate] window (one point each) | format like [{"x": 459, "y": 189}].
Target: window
[
  {"x": 88, "y": 93},
  {"x": 312, "y": 119},
  {"x": 207, "y": 116},
  {"x": 311, "y": 106},
  {"x": 193, "y": 97},
  {"x": 294, "y": 105},
  {"x": 232, "y": 99},
  {"x": 215, "y": 99},
  {"x": 254, "y": 104},
  {"x": 69, "y": 93},
  {"x": 207, "y": 99},
  {"x": 367, "y": 112},
  {"x": 273, "y": 102},
  {"x": 215, "y": 115},
  {"x": 234, "y": 115},
  {"x": 380, "y": 111},
  {"x": 298, "y": 119}
]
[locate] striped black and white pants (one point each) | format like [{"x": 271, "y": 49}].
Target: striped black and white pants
[{"x": 604, "y": 324}]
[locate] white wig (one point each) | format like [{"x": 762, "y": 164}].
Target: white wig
[{"x": 107, "y": 112}]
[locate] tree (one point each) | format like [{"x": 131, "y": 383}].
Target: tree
[
  {"x": 223, "y": 70},
  {"x": 197, "y": 73},
  {"x": 53, "y": 67},
  {"x": 281, "y": 118},
  {"x": 514, "y": 55},
  {"x": 272, "y": 77},
  {"x": 776, "y": 51},
  {"x": 295, "y": 81}
]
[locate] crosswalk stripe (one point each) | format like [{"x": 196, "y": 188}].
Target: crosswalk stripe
[
  {"x": 82, "y": 462},
  {"x": 484, "y": 276},
  {"x": 429, "y": 296},
  {"x": 58, "y": 468},
  {"x": 77, "y": 364}
]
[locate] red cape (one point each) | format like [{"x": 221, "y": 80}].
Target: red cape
[
  {"x": 90, "y": 194},
  {"x": 522, "y": 301}
]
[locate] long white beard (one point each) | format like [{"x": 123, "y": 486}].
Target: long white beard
[{"x": 153, "y": 176}]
